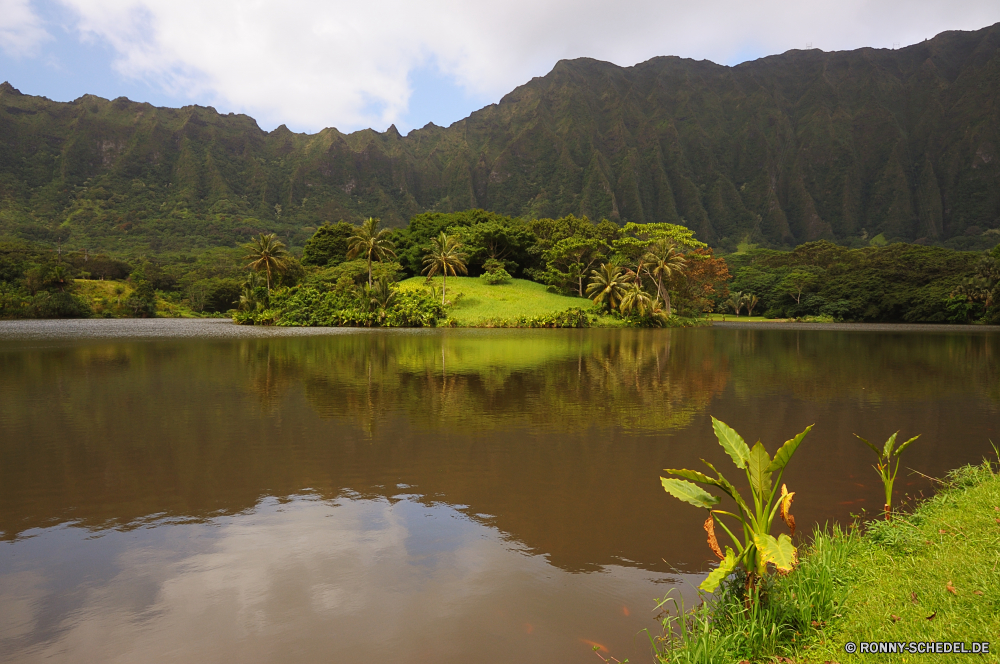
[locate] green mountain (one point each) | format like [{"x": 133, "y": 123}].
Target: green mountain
[{"x": 782, "y": 150}]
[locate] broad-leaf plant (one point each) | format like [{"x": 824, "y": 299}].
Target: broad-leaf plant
[{"x": 757, "y": 547}]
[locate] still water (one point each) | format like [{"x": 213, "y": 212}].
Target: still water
[{"x": 177, "y": 491}]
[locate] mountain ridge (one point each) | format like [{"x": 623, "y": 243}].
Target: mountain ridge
[{"x": 790, "y": 148}]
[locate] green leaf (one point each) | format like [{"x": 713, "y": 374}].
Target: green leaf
[
  {"x": 785, "y": 452},
  {"x": 760, "y": 477},
  {"x": 779, "y": 551},
  {"x": 865, "y": 441},
  {"x": 724, "y": 484},
  {"x": 899, "y": 450},
  {"x": 689, "y": 493},
  {"x": 702, "y": 477},
  {"x": 717, "y": 575},
  {"x": 693, "y": 475},
  {"x": 888, "y": 446},
  {"x": 732, "y": 442}
]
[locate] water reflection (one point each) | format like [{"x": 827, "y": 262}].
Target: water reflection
[
  {"x": 309, "y": 580},
  {"x": 421, "y": 492}
]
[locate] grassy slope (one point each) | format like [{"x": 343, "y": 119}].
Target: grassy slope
[
  {"x": 476, "y": 302},
  {"x": 107, "y": 296},
  {"x": 954, "y": 537}
]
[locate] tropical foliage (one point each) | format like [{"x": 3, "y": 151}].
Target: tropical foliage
[
  {"x": 663, "y": 270},
  {"x": 663, "y": 262},
  {"x": 379, "y": 305},
  {"x": 755, "y": 546},
  {"x": 328, "y": 245},
  {"x": 371, "y": 242},
  {"x": 904, "y": 283},
  {"x": 607, "y": 286},
  {"x": 445, "y": 256},
  {"x": 982, "y": 289},
  {"x": 267, "y": 254},
  {"x": 887, "y": 472}
]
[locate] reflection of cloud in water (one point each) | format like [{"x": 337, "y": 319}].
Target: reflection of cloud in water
[{"x": 307, "y": 580}]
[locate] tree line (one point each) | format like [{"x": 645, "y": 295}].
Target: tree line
[
  {"x": 643, "y": 272},
  {"x": 900, "y": 282}
]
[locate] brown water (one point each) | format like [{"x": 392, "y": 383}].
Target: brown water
[{"x": 192, "y": 491}]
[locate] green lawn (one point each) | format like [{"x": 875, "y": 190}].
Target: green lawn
[{"x": 475, "y": 301}]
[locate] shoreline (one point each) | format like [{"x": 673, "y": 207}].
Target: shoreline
[
  {"x": 39, "y": 328},
  {"x": 927, "y": 576},
  {"x": 854, "y": 327}
]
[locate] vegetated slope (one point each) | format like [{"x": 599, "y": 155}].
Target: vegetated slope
[
  {"x": 476, "y": 301},
  {"x": 783, "y": 150},
  {"x": 897, "y": 283}
]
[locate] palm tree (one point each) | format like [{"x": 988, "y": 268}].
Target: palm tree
[
  {"x": 266, "y": 253},
  {"x": 250, "y": 299},
  {"x": 751, "y": 301},
  {"x": 735, "y": 302},
  {"x": 444, "y": 255},
  {"x": 637, "y": 300},
  {"x": 379, "y": 297},
  {"x": 372, "y": 242},
  {"x": 663, "y": 263},
  {"x": 607, "y": 286}
]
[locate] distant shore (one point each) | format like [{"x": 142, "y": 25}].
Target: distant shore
[{"x": 853, "y": 327}]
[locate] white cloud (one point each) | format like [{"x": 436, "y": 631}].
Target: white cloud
[
  {"x": 304, "y": 580},
  {"x": 21, "y": 30},
  {"x": 315, "y": 63}
]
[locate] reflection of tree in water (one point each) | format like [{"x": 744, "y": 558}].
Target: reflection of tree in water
[
  {"x": 635, "y": 380},
  {"x": 502, "y": 421},
  {"x": 271, "y": 373}
]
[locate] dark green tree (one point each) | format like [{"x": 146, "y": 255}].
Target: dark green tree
[
  {"x": 328, "y": 245},
  {"x": 571, "y": 258},
  {"x": 499, "y": 239}
]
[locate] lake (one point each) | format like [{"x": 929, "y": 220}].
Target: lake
[{"x": 193, "y": 491}]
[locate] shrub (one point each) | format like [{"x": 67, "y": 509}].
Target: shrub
[
  {"x": 571, "y": 318},
  {"x": 307, "y": 306},
  {"x": 495, "y": 277}
]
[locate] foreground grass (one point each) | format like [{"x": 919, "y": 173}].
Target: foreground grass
[
  {"x": 933, "y": 575},
  {"x": 476, "y": 303}
]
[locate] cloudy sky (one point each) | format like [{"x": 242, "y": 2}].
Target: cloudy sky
[{"x": 316, "y": 63}]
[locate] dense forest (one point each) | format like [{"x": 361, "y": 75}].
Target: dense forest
[
  {"x": 892, "y": 145},
  {"x": 328, "y": 284}
]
